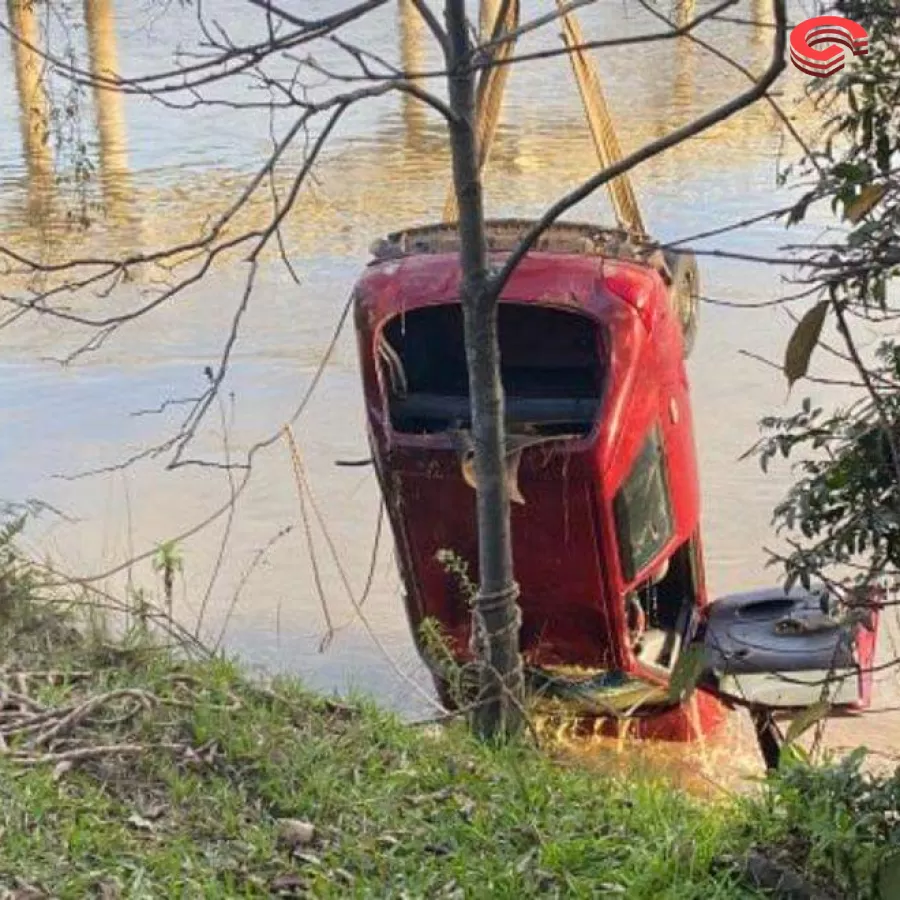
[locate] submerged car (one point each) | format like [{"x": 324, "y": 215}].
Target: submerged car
[{"x": 594, "y": 329}]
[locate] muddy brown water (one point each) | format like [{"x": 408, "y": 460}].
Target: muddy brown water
[{"x": 159, "y": 174}]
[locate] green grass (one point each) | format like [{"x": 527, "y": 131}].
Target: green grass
[{"x": 396, "y": 811}]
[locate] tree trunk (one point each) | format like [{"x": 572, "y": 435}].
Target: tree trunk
[{"x": 496, "y": 617}]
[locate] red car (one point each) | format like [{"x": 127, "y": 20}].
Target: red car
[{"x": 602, "y": 467}]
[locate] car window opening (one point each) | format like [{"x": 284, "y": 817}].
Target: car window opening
[
  {"x": 659, "y": 610},
  {"x": 642, "y": 509},
  {"x": 550, "y": 366}
]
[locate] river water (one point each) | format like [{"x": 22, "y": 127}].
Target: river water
[{"x": 160, "y": 173}]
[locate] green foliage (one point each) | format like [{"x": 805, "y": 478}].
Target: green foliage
[
  {"x": 16, "y": 584},
  {"x": 688, "y": 669},
  {"x": 168, "y": 560},
  {"x": 803, "y": 341},
  {"x": 844, "y": 507},
  {"x": 460, "y": 681},
  {"x": 30, "y": 623},
  {"x": 806, "y": 719},
  {"x": 456, "y": 566},
  {"x": 396, "y": 811},
  {"x": 390, "y": 810},
  {"x": 842, "y": 824}
]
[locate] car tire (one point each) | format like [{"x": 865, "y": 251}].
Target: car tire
[{"x": 684, "y": 292}]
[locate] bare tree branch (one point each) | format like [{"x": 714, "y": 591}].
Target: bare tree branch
[
  {"x": 679, "y": 135},
  {"x": 434, "y": 26},
  {"x": 776, "y": 107},
  {"x": 329, "y": 23}
]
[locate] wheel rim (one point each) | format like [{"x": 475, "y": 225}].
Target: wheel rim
[{"x": 688, "y": 303}]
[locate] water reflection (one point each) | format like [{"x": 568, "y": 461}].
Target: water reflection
[
  {"x": 34, "y": 107},
  {"x": 390, "y": 166},
  {"x": 488, "y": 10},
  {"x": 763, "y": 15},
  {"x": 412, "y": 59},
  {"x": 110, "y": 109},
  {"x": 685, "y": 10},
  {"x": 542, "y": 137},
  {"x": 684, "y": 86}
]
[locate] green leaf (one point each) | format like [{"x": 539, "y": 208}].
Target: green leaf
[
  {"x": 856, "y": 758},
  {"x": 867, "y": 199},
  {"x": 806, "y": 719},
  {"x": 850, "y": 172},
  {"x": 686, "y": 673},
  {"x": 792, "y": 755},
  {"x": 803, "y": 341},
  {"x": 889, "y": 880},
  {"x": 883, "y": 152},
  {"x": 868, "y": 130}
]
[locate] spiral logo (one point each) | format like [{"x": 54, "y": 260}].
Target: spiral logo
[{"x": 834, "y": 31}]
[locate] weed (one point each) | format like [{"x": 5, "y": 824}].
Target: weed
[
  {"x": 129, "y": 770},
  {"x": 168, "y": 560}
]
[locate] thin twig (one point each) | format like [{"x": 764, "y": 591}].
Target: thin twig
[{"x": 679, "y": 135}]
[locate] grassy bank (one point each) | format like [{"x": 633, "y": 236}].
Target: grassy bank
[
  {"x": 211, "y": 805},
  {"x": 128, "y": 771}
]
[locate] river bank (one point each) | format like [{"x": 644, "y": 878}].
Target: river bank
[{"x": 130, "y": 767}]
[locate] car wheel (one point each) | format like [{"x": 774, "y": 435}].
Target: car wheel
[{"x": 685, "y": 295}]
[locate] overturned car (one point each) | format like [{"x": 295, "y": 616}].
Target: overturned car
[{"x": 594, "y": 329}]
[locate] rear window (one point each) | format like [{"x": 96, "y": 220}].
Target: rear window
[
  {"x": 642, "y": 508},
  {"x": 550, "y": 365}
]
